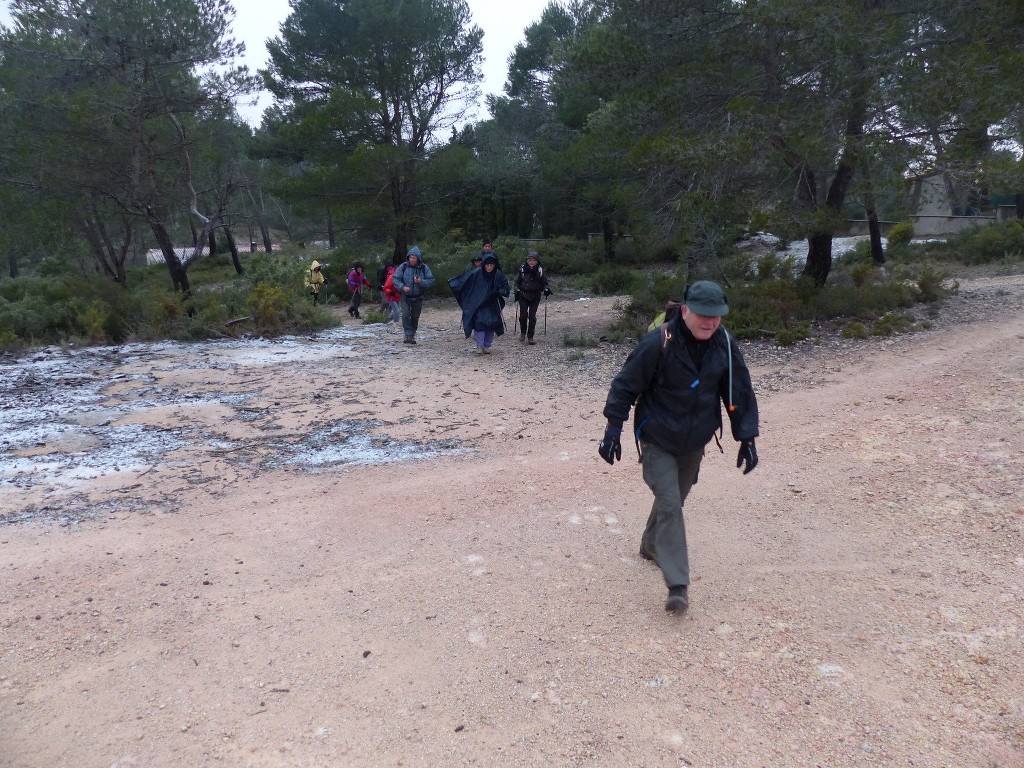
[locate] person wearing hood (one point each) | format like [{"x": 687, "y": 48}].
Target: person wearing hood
[
  {"x": 314, "y": 281},
  {"x": 531, "y": 284},
  {"x": 412, "y": 278},
  {"x": 679, "y": 375},
  {"x": 481, "y": 294}
]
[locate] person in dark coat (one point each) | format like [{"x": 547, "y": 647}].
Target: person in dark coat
[
  {"x": 679, "y": 375},
  {"x": 481, "y": 294},
  {"x": 531, "y": 284}
]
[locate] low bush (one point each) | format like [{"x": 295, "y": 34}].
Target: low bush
[
  {"x": 891, "y": 323},
  {"x": 901, "y": 234},
  {"x": 582, "y": 340}
]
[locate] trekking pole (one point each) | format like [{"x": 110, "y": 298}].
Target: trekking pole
[
  {"x": 518, "y": 326},
  {"x": 545, "y": 315}
]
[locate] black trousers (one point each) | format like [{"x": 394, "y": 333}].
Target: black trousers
[
  {"x": 528, "y": 314},
  {"x": 357, "y": 300}
]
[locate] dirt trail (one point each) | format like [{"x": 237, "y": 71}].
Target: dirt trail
[{"x": 858, "y": 598}]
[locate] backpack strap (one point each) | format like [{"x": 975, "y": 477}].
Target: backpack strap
[{"x": 666, "y": 337}]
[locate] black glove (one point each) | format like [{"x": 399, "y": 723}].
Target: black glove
[
  {"x": 748, "y": 454},
  {"x": 519, "y": 295},
  {"x": 547, "y": 291},
  {"x": 610, "y": 447}
]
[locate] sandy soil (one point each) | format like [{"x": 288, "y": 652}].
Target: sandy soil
[{"x": 858, "y": 598}]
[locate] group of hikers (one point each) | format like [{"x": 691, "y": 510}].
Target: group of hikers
[
  {"x": 675, "y": 381},
  {"x": 480, "y": 291}
]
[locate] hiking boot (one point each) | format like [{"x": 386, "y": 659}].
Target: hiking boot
[
  {"x": 522, "y": 337},
  {"x": 531, "y": 342},
  {"x": 487, "y": 350},
  {"x": 356, "y": 315},
  {"x": 677, "y": 601},
  {"x": 409, "y": 341},
  {"x": 479, "y": 350}
]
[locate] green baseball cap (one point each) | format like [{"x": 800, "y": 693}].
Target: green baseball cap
[{"x": 706, "y": 298}]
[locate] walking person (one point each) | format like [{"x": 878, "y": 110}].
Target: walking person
[
  {"x": 381, "y": 277},
  {"x": 481, "y": 294},
  {"x": 412, "y": 278},
  {"x": 681, "y": 373},
  {"x": 487, "y": 249},
  {"x": 357, "y": 280},
  {"x": 314, "y": 281},
  {"x": 531, "y": 283},
  {"x": 392, "y": 297}
]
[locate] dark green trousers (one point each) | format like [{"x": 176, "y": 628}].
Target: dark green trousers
[{"x": 670, "y": 479}]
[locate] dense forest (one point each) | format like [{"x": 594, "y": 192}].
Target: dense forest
[{"x": 681, "y": 123}]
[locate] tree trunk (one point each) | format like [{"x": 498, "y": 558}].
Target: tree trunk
[
  {"x": 92, "y": 236},
  {"x": 267, "y": 245},
  {"x": 213, "y": 243},
  {"x": 179, "y": 277},
  {"x": 608, "y": 234},
  {"x": 12, "y": 263},
  {"x": 819, "y": 258},
  {"x": 233, "y": 247},
  {"x": 1019, "y": 200},
  {"x": 874, "y": 230}
]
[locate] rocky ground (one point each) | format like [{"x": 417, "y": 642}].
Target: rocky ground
[{"x": 344, "y": 550}]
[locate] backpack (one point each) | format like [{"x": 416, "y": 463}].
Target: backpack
[{"x": 671, "y": 308}]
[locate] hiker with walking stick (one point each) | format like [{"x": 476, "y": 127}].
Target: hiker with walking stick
[{"x": 531, "y": 283}]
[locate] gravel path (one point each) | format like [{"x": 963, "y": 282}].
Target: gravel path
[{"x": 361, "y": 553}]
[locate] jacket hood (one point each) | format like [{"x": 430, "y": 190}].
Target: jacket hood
[
  {"x": 315, "y": 264},
  {"x": 489, "y": 259}
]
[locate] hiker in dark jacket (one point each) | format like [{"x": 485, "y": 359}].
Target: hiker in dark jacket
[
  {"x": 681, "y": 372},
  {"x": 412, "y": 278},
  {"x": 481, "y": 295},
  {"x": 531, "y": 284}
]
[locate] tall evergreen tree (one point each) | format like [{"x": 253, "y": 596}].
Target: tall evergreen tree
[{"x": 370, "y": 88}]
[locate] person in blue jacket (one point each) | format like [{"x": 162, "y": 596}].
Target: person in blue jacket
[
  {"x": 481, "y": 294},
  {"x": 412, "y": 278}
]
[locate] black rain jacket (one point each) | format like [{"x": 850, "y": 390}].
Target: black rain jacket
[{"x": 679, "y": 407}]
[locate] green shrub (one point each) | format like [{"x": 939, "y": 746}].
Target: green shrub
[
  {"x": 929, "y": 285},
  {"x": 854, "y": 330},
  {"x": 901, "y": 234},
  {"x": 269, "y": 305},
  {"x": 582, "y": 340},
  {"x": 1003, "y": 241},
  {"x": 613, "y": 281},
  {"x": 890, "y": 323},
  {"x": 770, "y": 267},
  {"x": 94, "y": 319},
  {"x": 788, "y": 337},
  {"x": 862, "y": 272}
]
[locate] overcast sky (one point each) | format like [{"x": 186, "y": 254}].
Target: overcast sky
[{"x": 502, "y": 21}]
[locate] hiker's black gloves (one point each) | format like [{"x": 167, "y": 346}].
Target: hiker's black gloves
[
  {"x": 519, "y": 295},
  {"x": 748, "y": 454},
  {"x": 547, "y": 291},
  {"x": 610, "y": 447}
]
